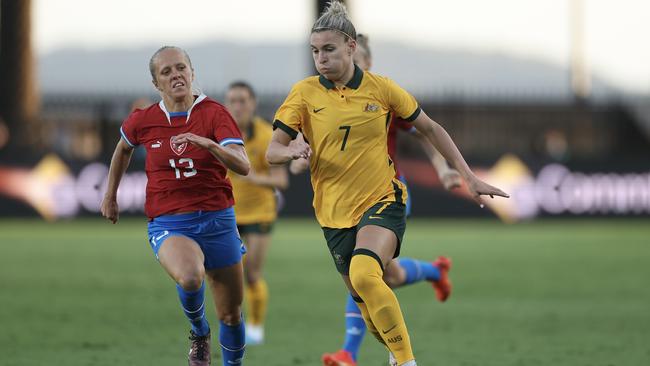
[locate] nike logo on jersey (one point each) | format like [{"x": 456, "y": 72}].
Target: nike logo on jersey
[
  {"x": 319, "y": 109},
  {"x": 389, "y": 329},
  {"x": 156, "y": 145},
  {"x": 375, "y": 217}
]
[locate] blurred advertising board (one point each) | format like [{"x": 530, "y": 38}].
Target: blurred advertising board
[{"x": 54, "y": 190}]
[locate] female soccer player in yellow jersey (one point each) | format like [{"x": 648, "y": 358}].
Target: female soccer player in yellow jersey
[
  {"x": 255, "y": 206},
  {"x": 403, "y": 271},
  {"x": 343, "y": 114}
]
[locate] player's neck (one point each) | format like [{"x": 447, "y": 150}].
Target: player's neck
[
  {"x": 245, "y": 127},
  {"x": 346, "y": 77},
  {"x": 178, "y": 105}
]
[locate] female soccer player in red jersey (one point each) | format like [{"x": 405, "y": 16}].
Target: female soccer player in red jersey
[{"x": 191, "y": 142}]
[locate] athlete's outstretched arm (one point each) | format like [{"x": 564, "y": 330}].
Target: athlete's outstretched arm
[
  {"x": 233, "y": 156},
  {"x": 277, "y": 178},
  {"x": 281, "y": 151},
  {"x": 119, "y": 163},
  {"x": 440, "y": 139},
  {"x": 449, "y": 177}
]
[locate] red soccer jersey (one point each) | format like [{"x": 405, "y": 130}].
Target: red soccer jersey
[
  {"x": 395, "y": 124},
  {"x": 184, "y": 177}
]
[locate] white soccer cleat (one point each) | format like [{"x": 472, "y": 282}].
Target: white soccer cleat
[
  {"x": 391, "y": 359},
  {"x": 393, "y": 362},
  {"x": 254, "y": 334}
]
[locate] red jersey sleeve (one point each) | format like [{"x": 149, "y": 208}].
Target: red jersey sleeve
[
  {"x": 129, "y": 129},
  {"x": 403, "y": 125},
  {"x": 226, "y": 131}
]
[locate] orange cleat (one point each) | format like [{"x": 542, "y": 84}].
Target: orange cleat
[
  {"x": 340, "y": 358},
  {"x": 443, "y": 285}
]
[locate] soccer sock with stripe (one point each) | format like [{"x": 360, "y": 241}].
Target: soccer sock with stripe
[
  {"x": 232, "y": 339},
  {"x": 257, "y": 298},
  {"x": 417, "y": 271},
  {"x": 355, "y": 327},
  {"x": 194, "y": 309},
  {"x": 366, "y": 277}
]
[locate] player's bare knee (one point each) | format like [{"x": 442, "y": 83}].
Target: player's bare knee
[
  {"x": 231, "y": 317},
  {"x": 192, "y": 280},
  {"x": 252, "y": 276},
  {"x": 391, "y": 280}
]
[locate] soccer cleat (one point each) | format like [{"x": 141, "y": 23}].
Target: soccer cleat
[
  {"x": 254, "y": 334},
  {"x": 392, "y": 361},
  {"x": 199, "y": 350},
  {"x": 443, "y": 285},
  {"x": 340, "y": 358}
]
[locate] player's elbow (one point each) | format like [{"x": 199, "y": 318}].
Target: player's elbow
[
  {"x": 242, "y": 167},
  {"x": 245, "y": 168}
]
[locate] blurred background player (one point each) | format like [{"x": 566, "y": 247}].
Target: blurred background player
[
  {"x": 402, "y": 271},
  {"x": 255, "y": 203},
  {"x": 191, "y": 142},
  {"x": 359, "y": 203}
]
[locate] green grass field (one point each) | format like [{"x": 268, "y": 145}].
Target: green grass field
[{"x": 561, "y": 292}]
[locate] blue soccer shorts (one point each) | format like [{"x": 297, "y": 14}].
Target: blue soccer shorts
[{"x": 214, "y": 231}]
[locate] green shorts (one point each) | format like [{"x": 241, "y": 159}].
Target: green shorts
[
  {"x": 256, "y": 228},
  {"x": 341, "y": 242}
]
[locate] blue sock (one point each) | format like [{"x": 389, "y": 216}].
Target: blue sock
[
  {"x": 232, "y": 340},
  {"x": 355, "y": 328},
  {"x": 194, "y": 309},
  {"x": 417, "y": 271}
]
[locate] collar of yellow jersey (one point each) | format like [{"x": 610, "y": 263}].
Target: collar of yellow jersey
[{"x": 353, "y": 83}]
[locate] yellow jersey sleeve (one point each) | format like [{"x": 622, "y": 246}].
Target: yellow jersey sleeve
[
  {"x": 400, "y": 101},
  {"x": 291, "y": 114}
]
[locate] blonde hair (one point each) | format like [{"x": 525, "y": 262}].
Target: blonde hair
[
  {"x": 335, "y": 17},
  {"x": 152, "y": 61},
  {"x": 196, "y": 88}
]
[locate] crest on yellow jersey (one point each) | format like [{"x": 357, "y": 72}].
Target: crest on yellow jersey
[{"x": 370, "y": 107}]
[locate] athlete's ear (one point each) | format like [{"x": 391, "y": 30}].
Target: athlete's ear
[
  {"x": 352, "y": 46},
  {"x": 155, "y": 84}
]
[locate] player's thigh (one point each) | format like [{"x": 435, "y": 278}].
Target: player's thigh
[
  {"x": 381, "y": 230},
  {"x": 183, "y": 259},
  {"x": 394, "y": 274},
  {"x": 227, "y": 287},
  {"x": 256, "y": 248},
  {"x": 379, "y": 240}
]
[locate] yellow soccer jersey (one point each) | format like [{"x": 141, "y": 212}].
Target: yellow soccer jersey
[
  {"x": 347, "y": 129},
  {"x": 254, "y": 203}
]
